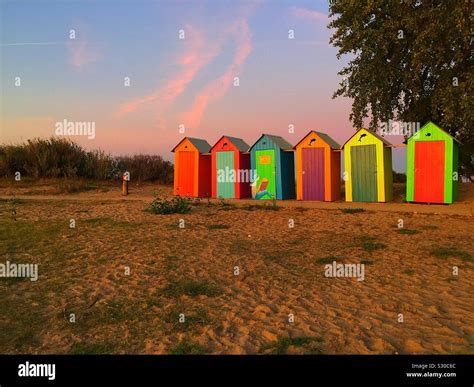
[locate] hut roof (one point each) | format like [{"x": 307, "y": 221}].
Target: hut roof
[
  {"x": 429, "y": 123},
  {"x": 278, "y": 140},
  {"x": 240, "y": 144},
  {"x": 201, "y": 145},
  {"x": 325, "y": 137},
  {"x": 376, "y": 135}
]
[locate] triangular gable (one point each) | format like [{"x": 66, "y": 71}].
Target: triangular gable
[
  {"x": 378, "y": 136},
  {"x": 277, "y": 140},
  {"x": 202, "y": 146},
  {"x": 436, "y": 127},
  {"x": 240, "y": 144},
  {"x": 325, "y": 137}
]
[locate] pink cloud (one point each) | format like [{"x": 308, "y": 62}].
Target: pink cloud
[
  {"x": 81, "y": 54},
  {"x": 215, "y": 90},
  {"x": 197, "y": 55},
  {"x": 310, "y": 14}
]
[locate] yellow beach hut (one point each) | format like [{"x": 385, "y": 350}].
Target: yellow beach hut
[{"x": 368, "y": 168}]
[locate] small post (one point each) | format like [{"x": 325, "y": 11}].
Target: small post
[{"x": 125, "y": 179}]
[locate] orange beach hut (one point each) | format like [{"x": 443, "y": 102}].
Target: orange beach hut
[
  {"x": 192, "y": 168},
  {"x": 318, "y": 168}
]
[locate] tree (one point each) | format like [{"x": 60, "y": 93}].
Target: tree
[{"x": 412, "y": 61}]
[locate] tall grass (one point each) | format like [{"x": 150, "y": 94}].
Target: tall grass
[
  {"x": 146, "y": 168},
  {"x": 59, "y": 157}
]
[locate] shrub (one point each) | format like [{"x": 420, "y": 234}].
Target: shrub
[
  {"x": 60, "y": 157},
  {"x": 177, "y": 205},
  {"x": 146, "y": 168}
]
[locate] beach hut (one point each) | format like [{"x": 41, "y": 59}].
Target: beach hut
[
  {"x": 192, "y": 168},
  {"x": 230, "y": 168},
  {"x": 272, "y": 161},
  {"x": 318, "y": 168},
  {"x": 432, "y": 164},
  {"x": 368, "y": 168}
]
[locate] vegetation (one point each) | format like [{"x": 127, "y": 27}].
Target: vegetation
[
  {"x": 177, "y": 205},
  {"x": 445, "y": 252},
  {"x": 407, "y": 231},
  {"x": 410, "y": 61},
  {"x": 369, "y": 244},
  {"x": 59, "y": 157},
  {"x": 352, "y": 210},
  {"x": 218, "y": 226},
  {"x": 328, "y": 260}
]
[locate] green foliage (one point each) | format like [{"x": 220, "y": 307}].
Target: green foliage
[
  {"x": 59, "y": 157},
  {"x": 328, "y": 260},
  {"x": 368, "y": 243},
  {"x": 352, "y": 210},
  {"x": 177, "y": 205},
  {"x": 407, "y": 231},
  {"x": 274, "y": 205},
  {"x": 218, "y": 226},
  {"x": 445, "y": 252},
  {"x": 146, "y": 168},
  {"x": 411, "y": 79}
]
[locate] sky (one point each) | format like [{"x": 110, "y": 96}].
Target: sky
[{"x": 211, "y": 68}]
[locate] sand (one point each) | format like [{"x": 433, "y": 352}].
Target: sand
[{"x": 280, "y": 301}]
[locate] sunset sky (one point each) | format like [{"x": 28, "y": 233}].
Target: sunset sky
[{"x": 173, "y": 81}]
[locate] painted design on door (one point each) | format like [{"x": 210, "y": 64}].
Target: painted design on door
[
  {"x": 313, "y": 173},
  {"x": 364, "y": 173},
  {"x": 225, "y": 163},
  {"x": 186, "y": 180},
  {"x": 264, "y": 187},
  {"x": 429, "y": 171}
]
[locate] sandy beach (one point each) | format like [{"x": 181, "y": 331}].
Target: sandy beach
[{"x": 237, "y": 278}]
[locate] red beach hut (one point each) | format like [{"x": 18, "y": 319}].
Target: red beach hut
[{"x": 230, "y": 168}]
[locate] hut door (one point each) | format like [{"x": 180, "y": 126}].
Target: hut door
[
  {"x": 364, "y": 173},
  {"x": 266, "y": 174},
  {"x": 313, "y": 173},
  {"x": 429, "y": 171},
  {"x": 225, "y": 178},
  {"x": 185, "y": 173}
]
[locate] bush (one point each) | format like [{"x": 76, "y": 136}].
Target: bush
[
  {"x": 177, "y": 205},
  {"x": 60, "y": 157},
  {"x": 146, "y": 168}
]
